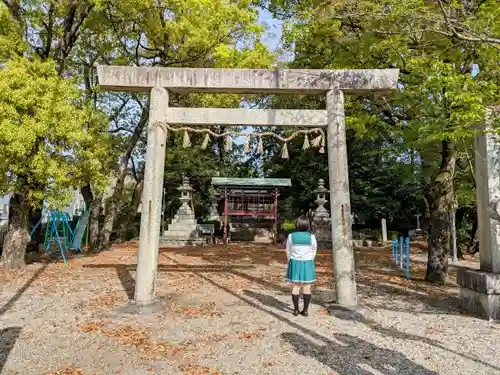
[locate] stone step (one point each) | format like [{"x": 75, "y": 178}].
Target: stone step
[
  {"x": 179, "y": 227},
  {"x": 183, "y": 233},
  {"x": 182, "y": 241},
  {"x": 185, "y": 224},
  {"x": 184, "y": 221},
  {"x": 180, "y": 238}
]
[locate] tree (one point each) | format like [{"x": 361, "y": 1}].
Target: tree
[
  {"x": 435, "y": 45},
  {"x": 48, "y": 144},
  {"x": 218, "y": 34},
  {"x": 11, "y": 43},
  {"x": 78, "y": 35},
  {"x": 50, "y": 30}
]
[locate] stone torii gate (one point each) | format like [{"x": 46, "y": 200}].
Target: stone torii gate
[{"x": 332, "y": 83}]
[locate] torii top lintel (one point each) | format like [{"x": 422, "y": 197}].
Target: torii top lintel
[{"x": 246, "y": 81}]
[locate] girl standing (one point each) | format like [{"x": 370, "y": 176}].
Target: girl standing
[{"x": 301, "y": 247}]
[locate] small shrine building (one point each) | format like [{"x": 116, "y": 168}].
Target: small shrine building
[{"x": 250, "y": 205}]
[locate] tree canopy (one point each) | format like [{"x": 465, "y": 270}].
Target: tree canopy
[
  {"x": 410, "y": 152},
  {"x": 47, "y": 133}
]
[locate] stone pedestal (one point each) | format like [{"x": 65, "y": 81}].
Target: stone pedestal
[
  {"x": 322, "y": 229},
  {"x": 416, "y": 235},
  {"x": 480, "y": 292},
  {"x": 184, "y": 227},
  {"x": 321, "y": 221}
]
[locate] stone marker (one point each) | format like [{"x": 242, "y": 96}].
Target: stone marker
[
  {"x": 384, "y": 230},
  {"x": 418, "y": 221},
  {"x": 332, "y": 83},
  {"x": 480, "y": 290}
]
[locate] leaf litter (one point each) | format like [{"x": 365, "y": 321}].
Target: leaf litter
[{"x": 265, "y": 268}]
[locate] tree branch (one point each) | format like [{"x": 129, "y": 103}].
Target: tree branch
[
  {"x": 117, "y": 111},
  {"x": 134, "y": 170},
  {"x": 71, "y": 27},
  {"x": 120, "y": 129},
  {"x": 50, "y": 32},
  {"x": 452, "y": 27},
  {"x": 461, "y": 36},
  {"x": 15, "y": 9}
]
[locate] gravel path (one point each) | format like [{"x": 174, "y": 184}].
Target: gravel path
[{"x": 227, "y": 311}]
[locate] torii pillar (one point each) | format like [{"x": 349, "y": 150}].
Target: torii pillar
[
  {"x": 480, "y": 289},
  {"x": 334, "y": 84}
]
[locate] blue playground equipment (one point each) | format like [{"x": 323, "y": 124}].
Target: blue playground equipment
[
  {"x": 57, "y": 224},
  {"x": 397, "y": 254}
]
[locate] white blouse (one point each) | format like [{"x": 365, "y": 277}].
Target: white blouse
[{"x": 301, "y": 251}]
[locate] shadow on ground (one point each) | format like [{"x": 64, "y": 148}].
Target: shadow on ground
[
  {"x": 340, "y": 356},
  {"x": 124, "y": 274},
  {"x": 11, "y": 302},
  {"x": 418, "y": 295},
  {"x": 356, "y": 316},
  {"x": 8, "y": 338},
  {"x": 349, "y": 355}
]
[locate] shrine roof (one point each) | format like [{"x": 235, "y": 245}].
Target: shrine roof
[{"x": 251, "y": 182}]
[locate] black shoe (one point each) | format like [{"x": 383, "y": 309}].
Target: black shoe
[
  {"x": 307, "y": 300},
  {"x": 295, "y": 300}
]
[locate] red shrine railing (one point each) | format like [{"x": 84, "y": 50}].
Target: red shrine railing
[{"x": 250, "y": 203}]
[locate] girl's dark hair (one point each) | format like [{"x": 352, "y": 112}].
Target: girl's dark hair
[{"x": 302, "y": 224}]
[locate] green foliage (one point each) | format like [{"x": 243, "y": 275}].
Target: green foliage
[
  {"x": 395, "y": 143},
  {"x": 11, "y": 42},
  {"x": 288, "y": 225},
  {"x": 47, "y": 134},
  {"x": 187, "y": 33}
]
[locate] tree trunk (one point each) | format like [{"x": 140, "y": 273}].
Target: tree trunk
[
  {"x": 114, "y": 202},
  {"x": 94, "y": 228},
  {"x": 17, "y": 237},
  {"x": 127, "y": 223},
  {"x": 440, "y": 195},
  {"x": 474, "y": 243},
  {"x": 94, "y": 206}
]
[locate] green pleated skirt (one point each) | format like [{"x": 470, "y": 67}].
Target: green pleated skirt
[{"x": 301, "y": 271}]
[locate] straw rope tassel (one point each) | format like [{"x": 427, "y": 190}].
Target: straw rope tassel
[
  {"x": 186, "y": 142},
  {"x": 305, "y": 146},
  {"x": 247, "y": 144},
  {"x": 322, "y": 149},
  {"x": 204, "y": 145},
  {"x": 260, "y": 147},
  {"x": 229, "y": 144},
  {"x": 316, "y": 142},
  {"x": 284, "y": 152}
]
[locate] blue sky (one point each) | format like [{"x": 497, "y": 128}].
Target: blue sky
[
  {"x": 271, "y": 39},
  {"x": 273, "y": 31}
]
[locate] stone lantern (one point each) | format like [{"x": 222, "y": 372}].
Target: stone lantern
[
  {"x": 321, "y": 213},
  {"x": 213, "y": 211},
  {"x": 186, "y": 197},
  {"x": 183, "y": 230}
]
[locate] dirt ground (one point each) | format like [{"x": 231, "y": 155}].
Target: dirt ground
[{"x": 227, "y": 311}]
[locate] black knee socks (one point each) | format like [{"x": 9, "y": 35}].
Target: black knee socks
[
  {"x": 307, "y": 300},
  {"x": 295, "y": 299}
]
